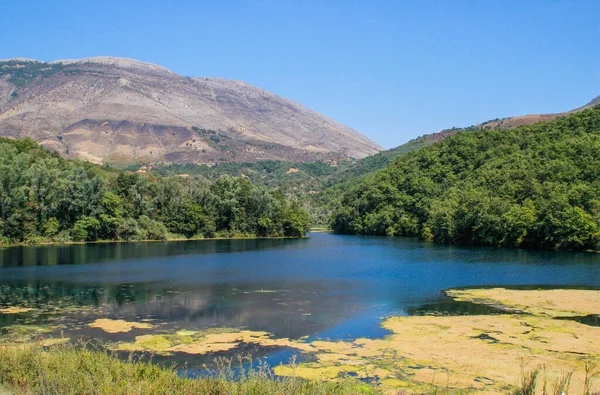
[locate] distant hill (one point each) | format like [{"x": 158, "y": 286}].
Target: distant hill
[
  {"x": 530, "y": 186},
  {"x": 382, "y": 159},
  {"x": 124, "y": 111}
]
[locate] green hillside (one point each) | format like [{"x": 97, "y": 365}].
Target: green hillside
[{"x": 533, "y": 186}]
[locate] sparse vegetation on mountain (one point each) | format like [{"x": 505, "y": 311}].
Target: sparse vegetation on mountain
[{"x": 21, "y": 73}]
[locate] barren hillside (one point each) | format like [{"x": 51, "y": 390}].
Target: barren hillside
[{"x": 120, "y": 110}]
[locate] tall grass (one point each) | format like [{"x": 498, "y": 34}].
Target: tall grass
[
  {"x": 560, "y": 386},
  {"x": 589, "y": 375},
  {"x": 529, "y": 381},
  {"x": 66, "y": 369}
]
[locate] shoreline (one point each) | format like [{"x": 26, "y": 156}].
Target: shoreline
[
  {"x": 68, "y": 243},
  {"x": 319, "y": 229}
]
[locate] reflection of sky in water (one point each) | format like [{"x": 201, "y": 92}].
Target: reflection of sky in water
[{"x": 327, "y": 286}]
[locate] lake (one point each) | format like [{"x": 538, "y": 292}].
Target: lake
[{"x": 322, "y": 287}]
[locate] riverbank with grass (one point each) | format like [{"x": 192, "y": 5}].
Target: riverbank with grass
[{"x": 67, "y": 369}]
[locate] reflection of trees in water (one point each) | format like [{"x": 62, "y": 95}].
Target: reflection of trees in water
[
  {"x": 49, "y": 255},
  {"x": 432, "y": 252},
  {"x": 9, "y": 319},
  {"x": 42, "y": 295},
  {"x": 217, "y": 305}
]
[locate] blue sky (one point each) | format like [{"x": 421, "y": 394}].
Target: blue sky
[{"x": 393, "y": 70}]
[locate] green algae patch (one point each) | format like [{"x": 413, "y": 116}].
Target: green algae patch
[
  {"x": 15, "y": 310},
  {"x": 314, "y": 371},
  {"x": 206, "y": 341},
  {"x": 118, "y": 326},
  {"x": 185, "y": 332},
  {"x": 551, "y": 303},
  {"x": 148, "y": 343},
  {"x": 482, "y": 354}
]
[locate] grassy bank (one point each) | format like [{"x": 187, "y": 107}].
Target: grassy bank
[
  {"x": 64, "y": 369},
  {"x": 320, "y": 229}
]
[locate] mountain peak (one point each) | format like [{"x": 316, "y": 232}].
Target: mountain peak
[
  {"x": 595, "y": 101},
  {"x": 115, "y": 61},
  {"x": 109, "y": 109}
]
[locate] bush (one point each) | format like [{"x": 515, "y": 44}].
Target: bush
[
  {"x": 151, "y": 229},
  {"x": 86, "y": 229}
]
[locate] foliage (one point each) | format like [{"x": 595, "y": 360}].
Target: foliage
[
  {"x": 533, "y": 186},
  {"x": 46, "y": 198}
]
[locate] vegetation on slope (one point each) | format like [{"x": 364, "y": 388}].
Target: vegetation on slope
[
  {"x": 533, "y": 186},
  {"x": 21, "y": 73},
  {"x": 46, "y": 198},
  {"x": 317, "y": 185}
]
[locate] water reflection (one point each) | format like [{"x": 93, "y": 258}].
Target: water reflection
[
  {"x": 325, "y": 286},
  {"x": 105, "y": 252},
  {"x": 305, "y": 309}
]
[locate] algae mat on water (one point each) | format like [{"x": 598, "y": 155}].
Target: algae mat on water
[
  {"x": 551, "y": 302},
  {"x": 15, "y": 310},
  {"x": 205, "y": 341},
  {"x": 483, "y": 354},
  {"x": 117, "y": 326}
]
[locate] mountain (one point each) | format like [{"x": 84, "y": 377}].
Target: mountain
[{"x": 107, "y": 109}]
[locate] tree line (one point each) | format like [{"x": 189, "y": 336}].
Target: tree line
[
  {"x": 46, "y": 198},
  {"x": 534, "y": 186}
]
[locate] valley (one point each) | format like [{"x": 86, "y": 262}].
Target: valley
[{"x": 157, "y": 228}]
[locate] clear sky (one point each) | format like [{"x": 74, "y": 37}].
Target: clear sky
[{"x": 393, "y": 70}]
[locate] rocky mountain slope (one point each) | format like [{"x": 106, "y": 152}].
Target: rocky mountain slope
[{"x": 120, "y": 110}]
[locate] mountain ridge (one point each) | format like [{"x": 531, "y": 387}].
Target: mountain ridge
[
  {"x": 505, "y": 123},
  {"x": 108, "y": 109}
]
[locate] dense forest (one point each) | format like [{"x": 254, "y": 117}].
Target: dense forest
[
  {"x": 46, "y": 198},
  {"x": 533, "y": 186}
]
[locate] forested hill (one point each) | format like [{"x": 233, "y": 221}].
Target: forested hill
[
  {"x": 46, "y": 198},
  {"x": 533, "y": 186}
]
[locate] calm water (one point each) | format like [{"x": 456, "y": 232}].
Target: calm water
[{"x": 325, "y": 286}]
